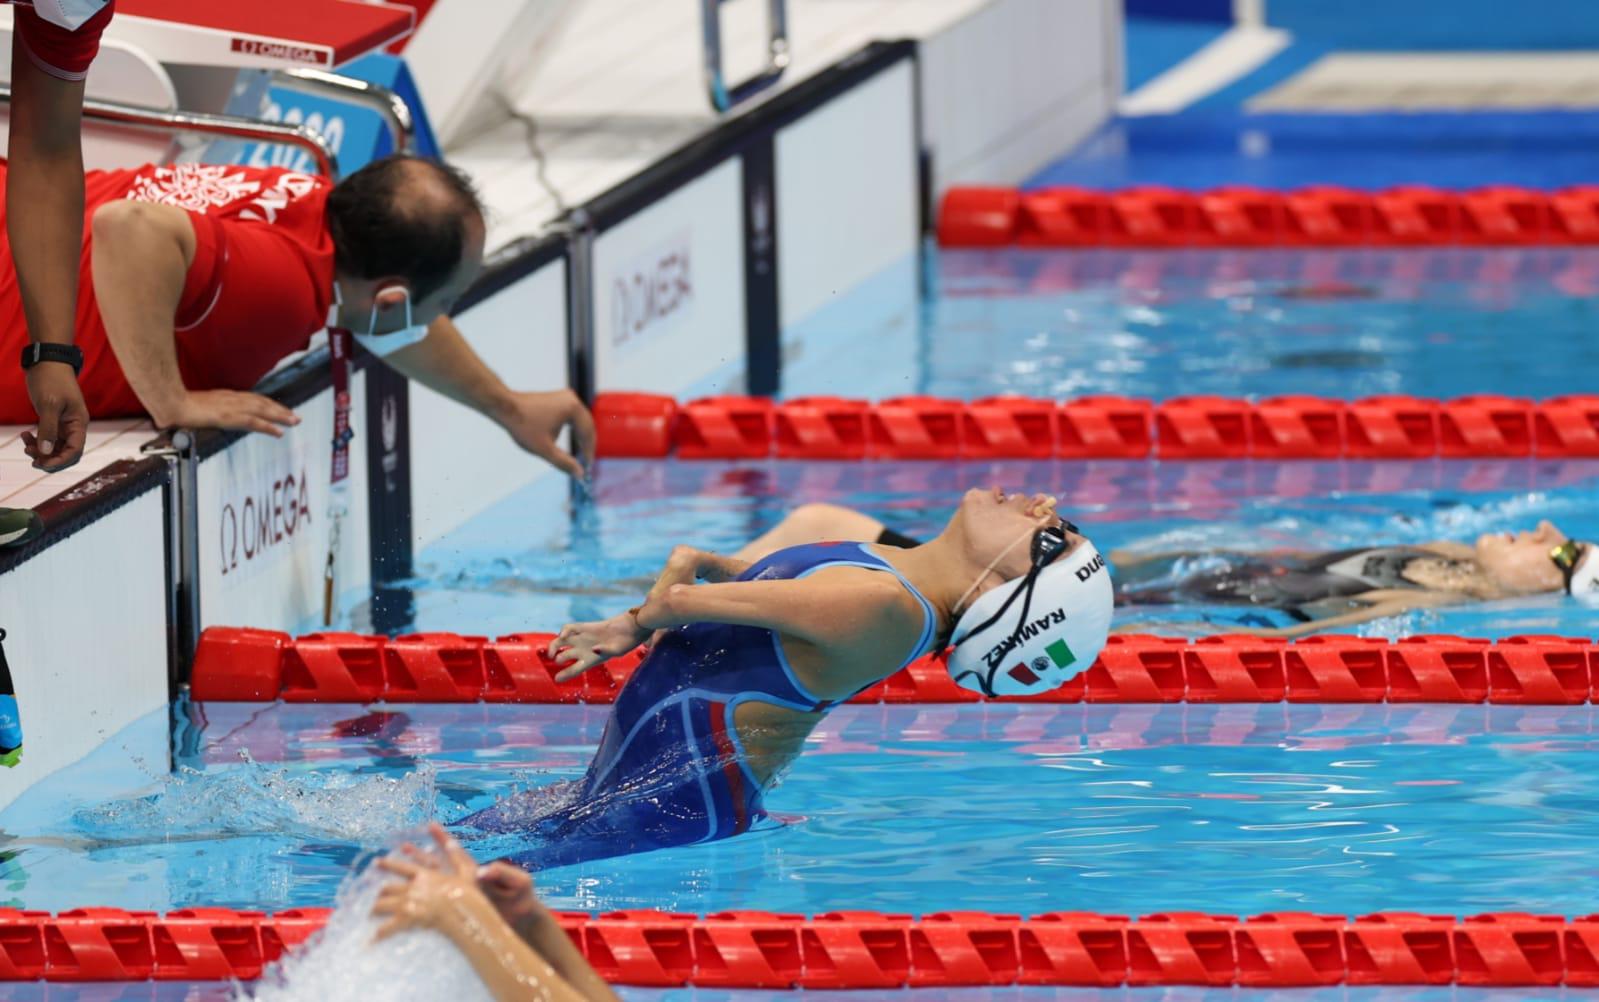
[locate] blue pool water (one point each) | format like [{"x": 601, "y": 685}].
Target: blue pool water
[
  {"x": 1432, "y": 323},
  {"x": 1017, "y": 809}
]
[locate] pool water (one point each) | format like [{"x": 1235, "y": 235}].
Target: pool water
[
  {"x": 1005, "y": 808},
  {"x": 595, "y": 557},
  {"x": 1341, "y": 324}
]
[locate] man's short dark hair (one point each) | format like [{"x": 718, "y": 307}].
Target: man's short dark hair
[{"x": 402, "y": 215}]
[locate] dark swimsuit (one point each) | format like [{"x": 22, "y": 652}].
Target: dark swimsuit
[
  {"x": 670, "y": 769},
  {"x": 1286, "y": 582}
]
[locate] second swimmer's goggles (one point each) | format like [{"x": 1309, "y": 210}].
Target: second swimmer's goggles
[{"x": 1577, "y": 565}]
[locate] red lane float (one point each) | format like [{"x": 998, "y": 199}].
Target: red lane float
[
  {"x": 1317, "y": 216},
  {"x": 247, "y": 665},
  {"x": 641, "y": 425},
  {"x": 853, "y": 950}
]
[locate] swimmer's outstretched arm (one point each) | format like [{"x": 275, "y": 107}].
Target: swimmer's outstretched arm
[{"x": 510, "y": 888}]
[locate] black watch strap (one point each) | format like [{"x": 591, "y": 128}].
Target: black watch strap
[{"x": 71, "y": 354}]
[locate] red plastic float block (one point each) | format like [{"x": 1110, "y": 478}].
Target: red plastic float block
[
  {"x": 98, "y": 944},
  {"x": 238, "y": 664},
  {"x": 1235, "y": 669},
  {"x": 1202, "y": 427},
  {"x": 856, "y": 950},
  {"x": 633, "y": 425},
  {"x": 1391, "y": 427},
  {"x": 963, "y": 948},
  {"x": 1400, "y": 948},
  {"x": 1137, "y": 669},
  {"x": 1567, "y": 427},
  {"x": 1480, "y": 426},
  {"x": 1503, "y": 214},
  {"x": 1008, "y": 428},
  {"x": 1540, "y": 670},
  {"x": 725, "y": 428},
  {"x": 207, "y": 944},
  {"x": 1244, "y": 217},
  {"x": 1574, "y": 214},
  {"x": 333, "y": 668},
  {"x": 1582, "y": 952},
  {"x": 925, "y": 680},
  {"x": 915, "y": 428},
  {"x": 1104, "y": 427},
  {"x": 1297, "y": 427},
  {"x": 1336, "y": 669},
  {"x": 1290, "y": 948},
  {"x": 433, "y": 668},
  {"x": 286, "y": 930},
  {"x": 748, "y": 949},
  {"x": 1416, "y": 214},
  {"x": 821, "y": 428},
  {"x": 22, "y": 956},
  {"x": 1181, "y": 948},
  {"x": 1152, "y": 217},
  {"x": 1331, "y": 217},
  {"x": 1433, "y": 668},
  {"x": 516, "y": 671},
  {"x": 652, "y": 949},
  {"x": 1510, "y": 948},
  {"x": 979, "y": 217},
  {"x": 1062, "y": 217},
  {"x": 1073, "y": 948}
]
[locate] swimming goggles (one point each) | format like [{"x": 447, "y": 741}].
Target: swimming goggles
[
  {"x": 1567, "y": 556},
  {"x": 1049, "y": 545}
]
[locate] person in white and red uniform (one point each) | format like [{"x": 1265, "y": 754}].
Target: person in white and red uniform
[
  {"x": 53, "y": 44},
  {"x": 198, "y": 279}
]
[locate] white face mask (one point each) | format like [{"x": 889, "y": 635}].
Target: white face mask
[{"x": 381, "y": 344}]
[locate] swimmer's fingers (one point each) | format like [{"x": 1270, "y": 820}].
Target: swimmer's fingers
[
  {"x": 399, "y": 867},
  {"x": 460, "y": 860}
]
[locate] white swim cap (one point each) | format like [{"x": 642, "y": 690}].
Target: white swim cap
[
  {"x": 1584, "y": 582},
  {"x": 1041, "y": 641}
]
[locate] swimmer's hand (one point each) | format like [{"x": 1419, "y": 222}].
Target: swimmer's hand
[
  {"x": 535, "y": 421},
  {"x": 435, "y": 890},
  {"x": 581, "y": 646},
  {"x": 510, "y": 890}
]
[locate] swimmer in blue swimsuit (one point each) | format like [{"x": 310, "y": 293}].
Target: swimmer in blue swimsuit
[{"x": 743, "y": 667}]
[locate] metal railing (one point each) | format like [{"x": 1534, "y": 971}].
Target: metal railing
[
  {"x": 396, "y": 113},
  {"x": 203, "y": 123},
  {"x": 724, "y": 96}
]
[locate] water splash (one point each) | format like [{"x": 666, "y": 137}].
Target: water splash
[
  {"x": 256, "y": 799},
  {"x": 343, "y": 962}
]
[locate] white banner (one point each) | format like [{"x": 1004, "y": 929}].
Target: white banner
[
  {"x": 669, "y": 292},
  {"x": 264, "y": 522}
]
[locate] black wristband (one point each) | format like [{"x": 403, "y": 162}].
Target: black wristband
[{"x": 71, "y": 354}]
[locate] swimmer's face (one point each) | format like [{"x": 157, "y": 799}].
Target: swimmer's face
[
  {"x": 992, "y": 521},
  {"x": 1519, "y": 561}
]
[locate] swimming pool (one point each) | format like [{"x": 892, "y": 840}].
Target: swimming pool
[
  {"x": 1131, "y": 809},
  {"x": 1429, "y": 322}
]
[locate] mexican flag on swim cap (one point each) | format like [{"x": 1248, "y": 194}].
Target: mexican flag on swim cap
[{"x": 1063, "y": 631}]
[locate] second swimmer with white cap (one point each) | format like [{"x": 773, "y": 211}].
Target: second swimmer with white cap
[{"x": 744, "y": 666}]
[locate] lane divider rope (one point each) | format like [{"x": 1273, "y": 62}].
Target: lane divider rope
[
  {"x": 246, "y": 664},
  {"x": 870, "y": 950},
  {"x": 645, "y": 425},
  {"x": 1317, "y": 216}
]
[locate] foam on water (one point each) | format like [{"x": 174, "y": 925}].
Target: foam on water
[
  {"x": 344, "y": 961},
  {"x": 253, "y": 799}
]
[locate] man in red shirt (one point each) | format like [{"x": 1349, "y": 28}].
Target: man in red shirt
[
  {"x": 198, "y": 279},
  {"x": 53, "y": 43}
]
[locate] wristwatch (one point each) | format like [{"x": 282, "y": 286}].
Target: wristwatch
[{"x": 71, "y": 354}]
